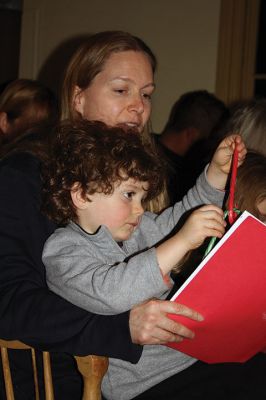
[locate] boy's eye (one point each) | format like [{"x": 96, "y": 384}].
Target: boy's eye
[{"x": 129, "y": 195}]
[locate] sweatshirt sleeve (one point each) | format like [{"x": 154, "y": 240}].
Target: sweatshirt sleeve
[
  {"x": 100, "y": 281},
  {"x": 200, "y": 194},
  {"x": 29, "y": 311}
]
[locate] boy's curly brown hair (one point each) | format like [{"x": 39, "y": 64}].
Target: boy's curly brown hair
[{"x": 95, "y": 157}]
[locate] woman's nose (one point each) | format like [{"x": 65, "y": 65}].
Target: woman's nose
[{"x": 136, "y": 104}]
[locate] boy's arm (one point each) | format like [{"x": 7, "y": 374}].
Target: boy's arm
[
  {"x": 219, "y": 168},
  {"x": 91, "y": 271},
  {"x": 206, "y": 221},
  {"x": 209, "y": 187}
]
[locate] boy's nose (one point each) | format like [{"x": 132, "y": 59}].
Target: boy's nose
[{"x": 138, "y": 209}]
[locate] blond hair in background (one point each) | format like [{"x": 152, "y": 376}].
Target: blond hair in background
[{"x": 249, "y": 120}]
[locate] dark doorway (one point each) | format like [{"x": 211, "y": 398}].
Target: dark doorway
[{"x": 10, "y": 28}]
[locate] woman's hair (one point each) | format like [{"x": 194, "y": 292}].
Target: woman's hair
[
  {"x": 28, "y": 103},
  {"x": 95, "y": 158},
  {"x": 251, "y": 183},
  {"x": 90, "y": 59}
]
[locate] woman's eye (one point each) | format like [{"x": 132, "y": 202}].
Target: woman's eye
[
  {"x": 120, "y": 91},
  {"x": 147, "y": 96}
]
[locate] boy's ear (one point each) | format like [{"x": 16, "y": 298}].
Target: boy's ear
[
  {"x": 3, "y": 122},
  {"x": 78, "y": 199},
  {"x": 78, "y": 100}
]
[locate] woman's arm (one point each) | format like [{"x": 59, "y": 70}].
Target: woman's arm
[{"x": 28, "y": 310}]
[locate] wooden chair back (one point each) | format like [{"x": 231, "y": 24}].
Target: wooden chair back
[{"x": 91, "y": 367}]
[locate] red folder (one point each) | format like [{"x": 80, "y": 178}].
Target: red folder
[{"x": 229, "y": 289}]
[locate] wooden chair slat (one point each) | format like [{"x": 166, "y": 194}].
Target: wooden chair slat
[{"x": 91, "y": 367}]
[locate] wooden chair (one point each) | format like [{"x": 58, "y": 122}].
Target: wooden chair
[{"x": 92, "y": 369}]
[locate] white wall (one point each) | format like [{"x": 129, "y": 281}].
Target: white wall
[{"x": 182, "y": 33}]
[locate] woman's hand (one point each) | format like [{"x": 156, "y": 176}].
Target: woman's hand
[
  {"x": 220, "y": 165},
  {"x": 149, "y": 322}
]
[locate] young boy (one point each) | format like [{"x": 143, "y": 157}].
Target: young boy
[{"x": 112, "y": 254}]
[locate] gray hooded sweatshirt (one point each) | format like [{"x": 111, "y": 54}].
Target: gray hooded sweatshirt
[{"x": 97, "y": 274}]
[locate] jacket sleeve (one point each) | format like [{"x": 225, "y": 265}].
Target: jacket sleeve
[
  {"x": 29, "y": 311},
  {"x": 200, "y": 194}
]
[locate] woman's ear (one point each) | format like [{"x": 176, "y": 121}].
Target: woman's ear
[
  {"x": 79, "y": 201},
  {"x": 78, "y": 100},
  {"x": 3, "y": 122}
]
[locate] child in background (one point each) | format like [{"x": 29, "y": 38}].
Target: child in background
[
  {"x": 250, "y": 195},
  {"x": 111, "y": 254},
  {"x": 250, "y": 192}
]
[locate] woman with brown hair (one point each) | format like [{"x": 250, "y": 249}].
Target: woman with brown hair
[{"x": 25, "y": 104}]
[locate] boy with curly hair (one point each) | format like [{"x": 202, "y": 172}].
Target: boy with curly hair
[
  {"x": 110, "y": 254},
  {"x": 108, "y": 257}
]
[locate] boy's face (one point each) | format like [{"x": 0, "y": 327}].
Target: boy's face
[{"x": 120, "y": 212}]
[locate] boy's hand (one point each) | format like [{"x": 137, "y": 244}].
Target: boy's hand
[
  {"x": 220, "y": 165},
  {"x": 206, "y": 221}
]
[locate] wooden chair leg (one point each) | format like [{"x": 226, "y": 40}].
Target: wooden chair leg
[
  {"x": 48, "y": 381},
  {"x": 92, "y": 369},
  {"x": 35, "y": 374},
  {"x": 7, "y": 374}
]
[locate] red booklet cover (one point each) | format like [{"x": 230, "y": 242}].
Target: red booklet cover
[{"x": 229, "y": 289}]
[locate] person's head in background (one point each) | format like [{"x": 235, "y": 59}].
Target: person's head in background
[
  {"x": 193, "y": 118},
  {"x": 250, "y": 192},
  {"x": 249, "y": 120},
  {"x": 100, "y": 176},
  {"x": 111, "y": 79},
  {"x": 25, "y": 104}
]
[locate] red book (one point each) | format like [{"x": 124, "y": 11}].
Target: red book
[{"x": 229, "y": 289}]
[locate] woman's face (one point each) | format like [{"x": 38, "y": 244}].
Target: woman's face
[{"x": 120, "y": 95}]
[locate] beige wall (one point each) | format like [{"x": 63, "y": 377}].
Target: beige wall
[{"x": 182, "y": 33}]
